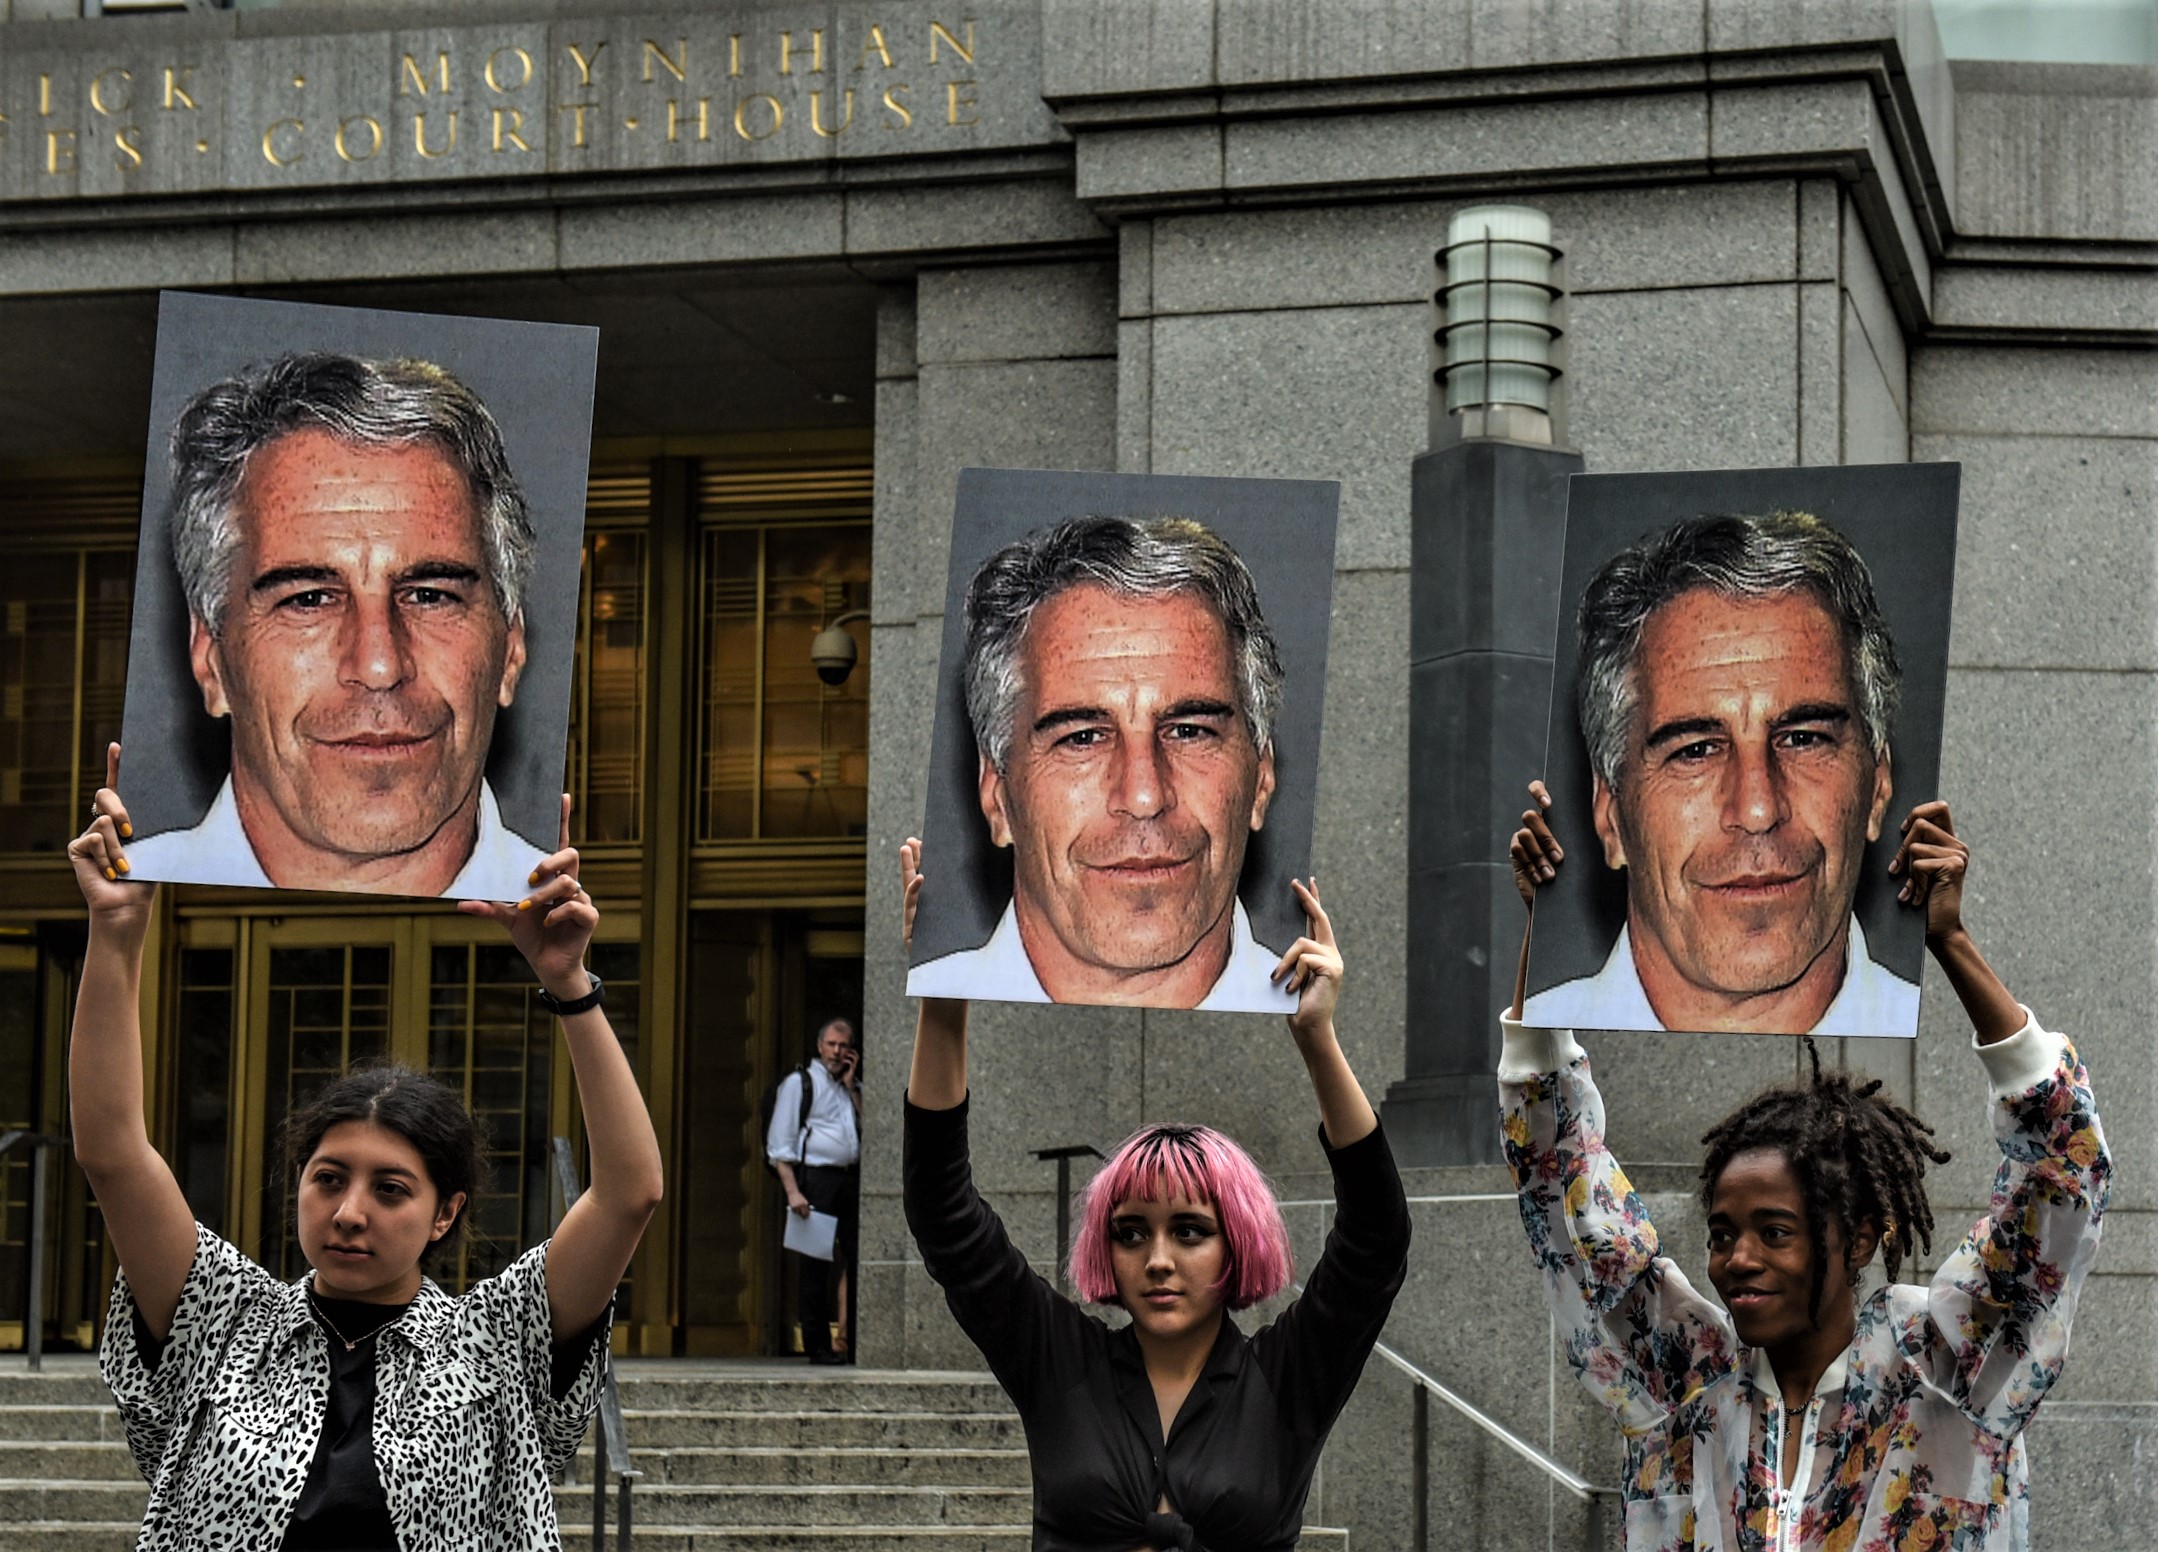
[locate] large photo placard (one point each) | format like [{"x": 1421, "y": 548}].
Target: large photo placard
[
  {"x": 356, "y": 596},
  {"x": 1746, "y": 702},
  {"x": 1126, "y": 747}
]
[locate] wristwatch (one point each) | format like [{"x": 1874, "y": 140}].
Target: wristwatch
[{"x": 563, "y": 1009}]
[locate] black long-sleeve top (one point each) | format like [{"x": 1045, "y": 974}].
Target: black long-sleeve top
[{"x": 1236, "y": 1466}]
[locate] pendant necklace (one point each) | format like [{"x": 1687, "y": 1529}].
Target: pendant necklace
[{"x": 350, "y": 1342}]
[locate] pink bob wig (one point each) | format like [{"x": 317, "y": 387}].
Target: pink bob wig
[{"x": 1199, "y": 1164}]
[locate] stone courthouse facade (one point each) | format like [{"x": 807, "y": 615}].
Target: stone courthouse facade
[{"x": 840, "y": 250}]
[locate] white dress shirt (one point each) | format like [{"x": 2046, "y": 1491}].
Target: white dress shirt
[
  {"x": 999, "y": 971},
  {"x": 835, "y": 1136},
  {"x": 1872, "y": 1000},
  {"x": 217, "y": 851}
]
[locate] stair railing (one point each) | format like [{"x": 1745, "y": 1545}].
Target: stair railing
[
  {"x": 1597, "y": 1497},
  {"x": 610, "y": 1443},
  {"x": 42, "y": 1146}
]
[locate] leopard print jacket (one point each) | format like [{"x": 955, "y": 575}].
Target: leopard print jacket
[{"x": 467, "y": 1429}]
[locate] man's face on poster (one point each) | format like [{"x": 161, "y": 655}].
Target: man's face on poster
[
  {"x": 1131, "y": 782},
  {"x": 363, "y": 653},
  {"x": 1747, "y": 793}
]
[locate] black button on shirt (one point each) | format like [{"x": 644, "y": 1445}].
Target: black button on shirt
[{"x": 1236, "y": 1466}]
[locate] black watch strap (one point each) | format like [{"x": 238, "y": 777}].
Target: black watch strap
[{"x": 591, "y": 999}]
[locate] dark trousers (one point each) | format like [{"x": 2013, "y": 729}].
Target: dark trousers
[{"x": 834, "y": 1189}]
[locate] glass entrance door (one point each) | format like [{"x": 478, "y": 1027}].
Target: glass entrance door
[{"x": 38, "y": 974}]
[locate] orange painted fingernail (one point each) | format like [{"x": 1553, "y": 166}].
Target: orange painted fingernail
[
  {"x": 533, "y": 879},
  {"x": 127, "y": 830},
  {"x": 524, "y": 905},
  {"x": 123, "y": 865},
  {"x": 112, "y": 875}
]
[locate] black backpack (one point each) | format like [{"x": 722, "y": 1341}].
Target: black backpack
[{"x": 801, "y": 1125}]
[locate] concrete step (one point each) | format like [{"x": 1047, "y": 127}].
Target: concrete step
[
  {"x": 804, "y": 1466},
  {"x": 70, "y": 1460},
  {"x": 48, "y": 1424},
  {"x": 53, "y": 1536},
  {"x": 811, "y": 1538},
  {"x": 75, "y": 1385},
  {"x": 898, "y": 1429},
  {"x": 810, "y": 1390},
  {"x": 663, "y": 1504},
  {"x": 109, "y": 1502}
]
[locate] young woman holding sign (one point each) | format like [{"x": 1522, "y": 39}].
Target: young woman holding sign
[
  {"x": 361, "y": 1407},
  {"x": 1176, "y": 1431},
  {"x": 1797, "y": 1415}
]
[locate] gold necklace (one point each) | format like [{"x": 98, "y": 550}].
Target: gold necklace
[{"x": 350, "y": 1342}]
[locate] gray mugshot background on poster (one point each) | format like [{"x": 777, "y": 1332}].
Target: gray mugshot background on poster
[
  {"x": 1901, "y": 521},
  {"x": 1282, "y": 532},
  {"x": 536, "y": 382}
]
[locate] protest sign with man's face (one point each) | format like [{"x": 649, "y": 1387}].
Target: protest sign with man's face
[
  {"x": 1126, "y": 739},
  {"x": 367, "y": 586},
  {"x": 1747, "y": 696}
]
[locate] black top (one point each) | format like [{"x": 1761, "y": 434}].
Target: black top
[
  {"x": 342, "y": 1507},
  {"x": 1237, "y": 1464}
]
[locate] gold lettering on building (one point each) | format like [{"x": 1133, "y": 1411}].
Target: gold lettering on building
[
  {"x": 816, "y": 115},
  {"x": 59, "y": 152},
  {"x": 955, "y": 102},
  {"x": 44, "y": 96},
  {"x": 270, "y": 152},
  {"x": 419, "y": 137},
  {"x": 734, "y": 54},
  {"x": 577, "y": 131},
  {"x": 678, "y": 68},
  {"x": 130, "y": 156},
  {"x": 524, "y": 61},
  {"x": 898, "y": 108},
  {"x": 704, "y": 119},
  {"x": 584, "y": 65},
  {"x": 413, "y": 79},
  {"x": 176, "y": 88},
  {"x": 98, "y": 92},
  {"x": 875, "y": 40},
  {"x": 375, "y": 137},
  {"x": 741, "y": 115},
  {"x": 965, "y": 51},
  {"x": 513, "y": 133},
  {"x": 816, "y": 52}
]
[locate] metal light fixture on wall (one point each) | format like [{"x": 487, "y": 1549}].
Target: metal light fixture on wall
[{"x": 1497, "y": 347}]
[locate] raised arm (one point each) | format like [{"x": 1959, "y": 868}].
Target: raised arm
[
  {"x": 937, "y": 1077},
  {"x": 2000, "y": 1306},
  {"x": 591, "y": 1248},
  {"x": 150, "y": 1224},
  {"x": 1636, "y": 1332},
  {"x": 1312, "y": 969}
]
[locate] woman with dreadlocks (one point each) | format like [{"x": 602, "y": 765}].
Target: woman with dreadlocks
[
  {"x": 1798, "y": 1416},
  {"x": 1175, "y": 1431}
]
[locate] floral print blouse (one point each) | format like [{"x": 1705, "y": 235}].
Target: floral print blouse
[{"x": 1913, "y": 1439}]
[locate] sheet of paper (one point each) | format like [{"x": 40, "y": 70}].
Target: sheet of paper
[{"x": 812, "y": 1236}]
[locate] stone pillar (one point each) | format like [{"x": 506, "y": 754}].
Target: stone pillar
[{"x": 1487, "y": 539}]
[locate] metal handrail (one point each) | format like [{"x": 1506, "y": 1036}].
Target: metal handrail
[
  {"x": 41, "y": 1145},
  {"x": 610, "y": 1450}
]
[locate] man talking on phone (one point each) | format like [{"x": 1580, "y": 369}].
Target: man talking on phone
[{"x": 816, "y": 1150}]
